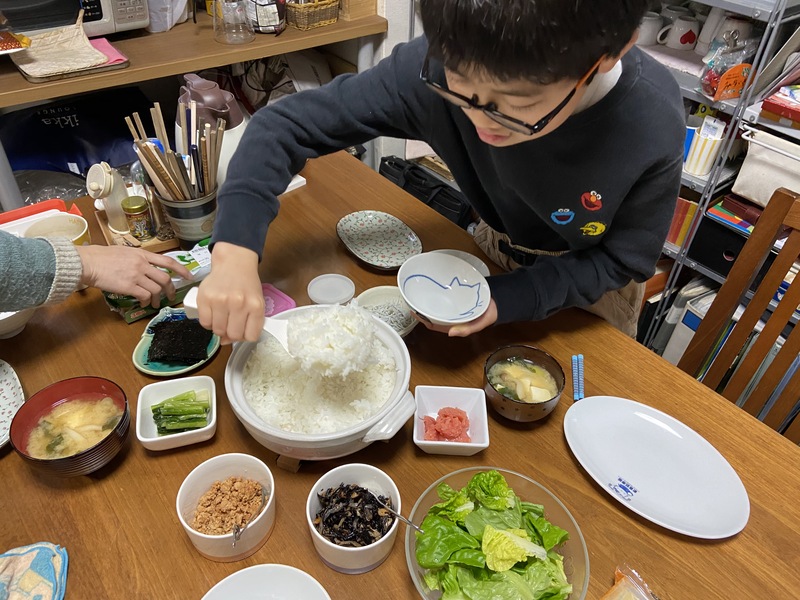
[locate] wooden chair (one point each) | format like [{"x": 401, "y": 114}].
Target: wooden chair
[{"x": 783, "y": 209}]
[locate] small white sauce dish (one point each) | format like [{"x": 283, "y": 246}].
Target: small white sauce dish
[
  {"x": 386, "y": 302},
  {"x": 347, "y": 559},
  {"x": 154, "y": 393},
  {"x": 431, "y": 398},
  {"x": 221, "y": 548},
  {"x": 443, "y": 288}
]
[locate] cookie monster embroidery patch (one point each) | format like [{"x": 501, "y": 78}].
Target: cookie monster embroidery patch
[
  {"x": 592, "y": 200},
  {"x": 562, "y": 216}
]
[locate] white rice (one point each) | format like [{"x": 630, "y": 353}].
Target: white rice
[
  {"x": 334, "y": 340},
  {"x": 286, "y": 394}
]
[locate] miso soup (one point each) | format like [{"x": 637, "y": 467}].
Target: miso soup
[
  {"x": 520, "y": 379},
  {"x": 73, "y": 427}
]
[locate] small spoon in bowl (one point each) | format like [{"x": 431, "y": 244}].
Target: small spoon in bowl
[
  {"x": 394, "y": 512},
  {"x": 238, "y": 531}
]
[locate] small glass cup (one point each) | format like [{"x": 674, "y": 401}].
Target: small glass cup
[{"x": 232, "y": 25}]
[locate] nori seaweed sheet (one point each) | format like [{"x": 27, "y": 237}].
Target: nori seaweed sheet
[{"x": 183, "y": 342}]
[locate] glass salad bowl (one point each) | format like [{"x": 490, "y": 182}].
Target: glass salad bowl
[{"x": 532, "y": 570}]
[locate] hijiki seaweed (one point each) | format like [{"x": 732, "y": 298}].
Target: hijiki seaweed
[{"x": 349, "y": 515}]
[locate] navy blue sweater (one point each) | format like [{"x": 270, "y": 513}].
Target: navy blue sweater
[{"x": 601, "y": 187}]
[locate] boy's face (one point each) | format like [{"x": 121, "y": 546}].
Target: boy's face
[{"x": 520, "y": 99}]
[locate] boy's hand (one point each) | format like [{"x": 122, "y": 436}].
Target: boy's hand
[
  {"x": 130, "y": 271},
  {"x": 230, "y": 301},
  {"x": 485, "y": 320}
]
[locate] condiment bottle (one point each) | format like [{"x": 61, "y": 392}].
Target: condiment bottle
[
  {"x": 104, "y": 182},
  {"x": 137, "y": 213}
]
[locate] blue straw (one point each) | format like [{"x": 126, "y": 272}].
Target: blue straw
[{"x": 575, "y": 382}]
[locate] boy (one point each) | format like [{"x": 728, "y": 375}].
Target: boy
[{"x": 566, "y": 139}]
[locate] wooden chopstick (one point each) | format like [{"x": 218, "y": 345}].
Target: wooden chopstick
[
  {"x": 140, "y": 126},
  {"x": 179, "y": 171},
  {"x": 158, "y": 122},
  {"x": 151, "y": 171},
  {"x": 160, "y": 169},
  {"x": 132, "y": 129},
  {"x": 184, "y": 147}
]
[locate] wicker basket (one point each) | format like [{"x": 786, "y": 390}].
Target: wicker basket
[{"x": 312, "y": 14}]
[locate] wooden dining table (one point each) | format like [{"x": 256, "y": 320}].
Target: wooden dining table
[{"x": 119, "y": 524}]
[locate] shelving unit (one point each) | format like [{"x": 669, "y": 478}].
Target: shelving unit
[
  {"x": 185, "y": 48},
  {"x": 771, "y": 13}
]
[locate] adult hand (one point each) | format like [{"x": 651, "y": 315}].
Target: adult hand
[
  {"x": 485, "y": 320},
  {"x": 230, "y": 301},
  {"x": 130, "y": 271}
]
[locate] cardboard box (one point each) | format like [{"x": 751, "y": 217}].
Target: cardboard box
[{"x": 357, "y": 9}]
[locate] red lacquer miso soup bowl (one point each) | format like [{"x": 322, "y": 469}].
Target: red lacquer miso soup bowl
[{"x": 72, "y": 427}]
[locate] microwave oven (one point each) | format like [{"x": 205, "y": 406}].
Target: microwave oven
[{"x": 100, "y": 17}]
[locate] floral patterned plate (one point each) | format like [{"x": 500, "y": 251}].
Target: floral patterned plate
[
  {"x": 11, "y": 398},
  {"x": 378, "y": 238}
]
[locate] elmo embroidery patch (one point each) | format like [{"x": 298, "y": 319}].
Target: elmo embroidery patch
[{"x": 592, "y": 200}]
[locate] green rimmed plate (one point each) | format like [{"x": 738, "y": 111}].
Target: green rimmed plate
[{"x": 158, "y": 369}]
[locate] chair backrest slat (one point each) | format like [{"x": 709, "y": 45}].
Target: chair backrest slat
[{"x": 782, "y": 211}]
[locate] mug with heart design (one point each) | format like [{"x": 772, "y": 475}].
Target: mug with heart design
[{"x": 681, "y": 34}]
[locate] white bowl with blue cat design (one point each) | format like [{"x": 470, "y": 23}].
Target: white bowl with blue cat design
[{"x": 443, "y": 288}]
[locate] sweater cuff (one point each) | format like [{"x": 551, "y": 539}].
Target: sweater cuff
[{"x": 69, "y": 269}]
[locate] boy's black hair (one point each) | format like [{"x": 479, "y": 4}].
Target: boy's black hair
[{"x": 539, "y": 40}]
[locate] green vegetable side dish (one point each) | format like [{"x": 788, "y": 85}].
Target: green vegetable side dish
[
  {"x": 483, "y": 543},
  {"x": 183, "y": 412}
]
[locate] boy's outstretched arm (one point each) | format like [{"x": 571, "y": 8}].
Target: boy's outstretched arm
[{"x": 230, "y": 301}]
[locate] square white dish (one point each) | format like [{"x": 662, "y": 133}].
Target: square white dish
[
  {"x": 431, "y": 398},
  {"x": 154, "y": 393}
]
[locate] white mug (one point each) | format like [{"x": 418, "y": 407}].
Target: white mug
[
  {"x": 680, "y": 35},
  {"x": 734, "y": 23},
  {"x": 671, "y": 12},
  {"x": 713, "y": 21},
  {"x": 648, "y": 29}
]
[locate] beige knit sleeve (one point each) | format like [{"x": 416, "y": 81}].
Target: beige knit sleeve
[{"x": 68, "y": 270}]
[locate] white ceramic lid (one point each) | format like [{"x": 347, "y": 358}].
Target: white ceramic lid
[{"x": 331, "y": 288}]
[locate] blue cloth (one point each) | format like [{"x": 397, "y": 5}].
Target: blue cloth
[{"x": 34, "y": 572}]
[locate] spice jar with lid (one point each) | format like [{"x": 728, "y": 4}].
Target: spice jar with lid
[{"x": 137, "y": 212}]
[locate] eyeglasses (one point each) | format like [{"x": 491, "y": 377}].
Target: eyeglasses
[{"x": 490, "y": 108}]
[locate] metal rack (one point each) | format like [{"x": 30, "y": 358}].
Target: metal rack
[{"x": 772, "y": 13}]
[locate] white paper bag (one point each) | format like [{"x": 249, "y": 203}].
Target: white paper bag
[{"x": 765, "y": 170}]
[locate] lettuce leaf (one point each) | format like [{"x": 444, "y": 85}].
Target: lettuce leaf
[
  {"x": 477, "y": 520},
  {"x": 505, "y": 548},
  {"x": 456, "y": 505},
  {"x": 441, "y": 539},
  {"x": 490, "y": 489}
]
